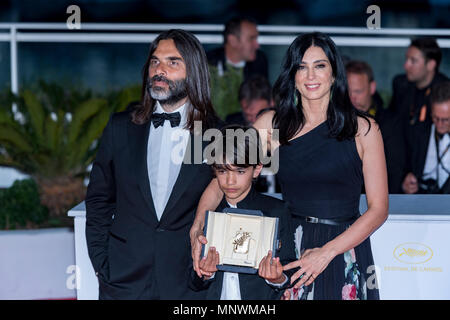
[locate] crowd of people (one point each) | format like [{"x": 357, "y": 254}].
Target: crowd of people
[{"x": 145, "y": 212}]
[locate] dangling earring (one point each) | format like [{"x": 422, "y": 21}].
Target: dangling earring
[
  {"x": 331, "y": 90},
  {"x": 295, "y": 98}
]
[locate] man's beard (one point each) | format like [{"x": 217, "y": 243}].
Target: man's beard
[{"x": 170, "y": 96}]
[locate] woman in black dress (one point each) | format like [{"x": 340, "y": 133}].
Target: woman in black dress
[{"x": 327, "y": 150}]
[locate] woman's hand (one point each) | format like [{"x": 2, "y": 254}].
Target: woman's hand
[
  {"x": 208, "y": 264},
  {"x": 197, "y": 240},
  {"x": 312, "y": 263},
  {"x": 271, "y": 269},
  {"x": 410, "y": 184},
  {"x": 209, "y": 200}
]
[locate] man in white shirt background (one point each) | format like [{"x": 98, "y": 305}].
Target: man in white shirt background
[{"x": 428, "y": 148}]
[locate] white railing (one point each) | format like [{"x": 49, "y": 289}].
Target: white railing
[{"x": 206, "y": 33}]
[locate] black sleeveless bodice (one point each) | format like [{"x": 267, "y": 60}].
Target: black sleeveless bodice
[{"x": 322, "y": 177}]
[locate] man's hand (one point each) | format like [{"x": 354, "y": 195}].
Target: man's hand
[{"x": 410, "y": 184}]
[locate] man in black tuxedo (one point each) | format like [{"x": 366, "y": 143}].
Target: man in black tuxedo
[
  {"x": 428, "y": 155},
  {"x": 147, "y": 180}
]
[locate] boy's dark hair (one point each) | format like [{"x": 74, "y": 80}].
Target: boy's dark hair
[
  {"x": 429, "y": 48},
  {"x": 240, "y": 148},
  {"x": 256, "y": 87},
  {"x": 440, "y": 92}
]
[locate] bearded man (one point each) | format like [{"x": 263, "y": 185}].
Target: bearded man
[{"x": 144, "y": 186}]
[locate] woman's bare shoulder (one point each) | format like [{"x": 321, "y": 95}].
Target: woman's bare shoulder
[
  {"x": 264, "y": 121},
  {"x": 367, "y": 127}
]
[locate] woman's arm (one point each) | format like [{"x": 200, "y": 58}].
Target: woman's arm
[
  {"x": 370, "y": 148},
  {"x": 375, "y": 182},
  {"x": 264, "y": 126}
]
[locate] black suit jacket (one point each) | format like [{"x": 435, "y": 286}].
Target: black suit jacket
[
  {"x": 403, "y": 94},
  {"x": 135, "y": 255},
  {"x": 253, "y": 287},
  {"x": 392, "y": 126},
  {"x": 418, "y": 138},
  {"x": 258, "y": 66}
]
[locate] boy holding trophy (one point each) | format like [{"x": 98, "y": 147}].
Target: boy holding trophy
[{"x": 236, "y": 263}]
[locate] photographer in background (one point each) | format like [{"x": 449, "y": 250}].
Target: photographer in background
[{"x": 428, "y": 146}]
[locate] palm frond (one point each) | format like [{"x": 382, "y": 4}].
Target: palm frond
[
  {"x": 35, "y": 114},
  {"x": 82, "y": 113},
  {"x": 15, "y": 139}
]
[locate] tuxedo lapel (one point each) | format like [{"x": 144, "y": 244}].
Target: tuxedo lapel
[{"x": 138, "y": 139}]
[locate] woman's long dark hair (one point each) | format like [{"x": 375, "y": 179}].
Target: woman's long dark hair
[
  {"x": 289, "y": 118},
  {"x": 197, "y": 80}
]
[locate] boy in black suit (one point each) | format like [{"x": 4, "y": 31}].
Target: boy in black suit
[{"x": 235, "y": 175}]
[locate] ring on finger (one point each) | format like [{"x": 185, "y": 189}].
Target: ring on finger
[{"x": 308, "y": 276}]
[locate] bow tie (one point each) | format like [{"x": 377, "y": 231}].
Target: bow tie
[
  {"x": 159, "y": 118},
  {"x": 440, "y": 136}
]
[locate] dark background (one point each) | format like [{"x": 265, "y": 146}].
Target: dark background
[
  {"x": 396, "y": 13},
  {"x": 103, "y": 67}
]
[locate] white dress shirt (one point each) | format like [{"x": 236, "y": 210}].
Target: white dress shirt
[
  {"x": 430, "y": 170},
  {"x": 165, "y": 152},
  {"x": 231, "y": 289}
]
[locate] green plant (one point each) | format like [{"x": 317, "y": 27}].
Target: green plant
[
  {"x": 225, "y": 90},
  {"x": 20, "y": 206},
  {"x": 53, "y": 137}
]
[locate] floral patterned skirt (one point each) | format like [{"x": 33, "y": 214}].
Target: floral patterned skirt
[{"x": 349, "y": 276}]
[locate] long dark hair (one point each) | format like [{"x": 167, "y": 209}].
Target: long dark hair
[
  {"x": 197, "y": 80},
  {"x": 289, "y": 118}
]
